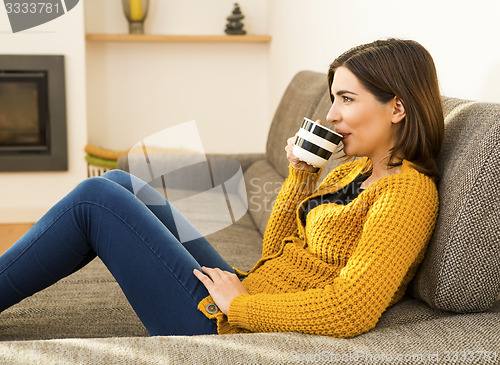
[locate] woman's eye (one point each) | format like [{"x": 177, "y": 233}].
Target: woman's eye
[{"x": 346, "y": 99}]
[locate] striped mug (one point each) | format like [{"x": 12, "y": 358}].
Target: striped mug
[{"x": 315, "y": 143}]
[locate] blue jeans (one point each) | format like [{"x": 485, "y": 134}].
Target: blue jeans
[{"x": 139, "y": 244}]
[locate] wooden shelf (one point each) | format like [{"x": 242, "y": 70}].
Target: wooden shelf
[{"x": 179, "y": 38}]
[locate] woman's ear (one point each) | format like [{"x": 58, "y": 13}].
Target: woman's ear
[{"x": 399, "y": 111}]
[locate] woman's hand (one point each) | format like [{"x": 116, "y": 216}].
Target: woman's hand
[
  {"x": 294, "y": 161},
  {"x": 223, "y": 286}
]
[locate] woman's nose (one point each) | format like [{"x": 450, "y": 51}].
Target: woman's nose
[{"x": 333, "y": 114}]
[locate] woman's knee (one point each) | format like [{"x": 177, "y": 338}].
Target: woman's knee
[
  {"x": 100, "y": 191},
  {"x": 92, "y": 186},
  {"x": 120, "y": 177},
  {"x": 141, "y": 189},
  {"x": 116, "y": 175}
]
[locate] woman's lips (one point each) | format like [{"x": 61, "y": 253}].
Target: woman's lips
[{"x": 345, "y": 135}]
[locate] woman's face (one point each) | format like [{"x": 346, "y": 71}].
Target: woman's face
[{"x": 368, "y": 126}]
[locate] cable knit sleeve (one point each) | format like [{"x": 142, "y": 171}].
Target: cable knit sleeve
[
  {"x": 397, "y": 226},
  {"x": 282, "y": 223}
]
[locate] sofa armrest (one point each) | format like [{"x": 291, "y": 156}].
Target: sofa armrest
[
  {"x": 245, "y": 159},
  {"x": 187, "y": 172}
]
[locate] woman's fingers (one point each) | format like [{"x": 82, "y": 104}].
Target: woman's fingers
[
  {"x": 223, "y": 286},
  {"x": 205, "y": 280},
  {"x": 213, "y": 273},
  {"x": 294, "y": 161},
  {"x": 208, "y": 275},
  {"x": 289, "y": 151}
]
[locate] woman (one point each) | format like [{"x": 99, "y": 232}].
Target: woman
[{"x": 334, "y": 258}]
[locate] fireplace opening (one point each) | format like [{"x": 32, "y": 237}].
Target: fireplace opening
[
  {"x": 23, "y": 112},
  {"x": 32, "y": 113}
]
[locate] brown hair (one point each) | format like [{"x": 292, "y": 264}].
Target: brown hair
[{"x": 402, "y": 68}]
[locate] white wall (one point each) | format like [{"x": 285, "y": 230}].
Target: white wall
[
  {"x": 177, "y": 16},
  {"x": 137, "y": 89},
  {"x": 462, "y": 37},
  {"x": 24, "y": 197}
]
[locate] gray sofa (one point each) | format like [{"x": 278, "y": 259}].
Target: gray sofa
[{"x": 450, "y": 314}]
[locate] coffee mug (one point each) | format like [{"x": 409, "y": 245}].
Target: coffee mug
[{"x": 315, "y": 143}]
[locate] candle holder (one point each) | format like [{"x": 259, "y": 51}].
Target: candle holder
[{"x": 135, "y": 12}]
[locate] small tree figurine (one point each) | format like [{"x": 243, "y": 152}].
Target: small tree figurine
[{"x": 234, "y": 24}]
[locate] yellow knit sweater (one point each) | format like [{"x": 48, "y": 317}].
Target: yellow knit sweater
[{"x": 336, "y": 275}]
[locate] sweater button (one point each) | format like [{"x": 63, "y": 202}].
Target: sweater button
[{"x": 212, "y": 308}]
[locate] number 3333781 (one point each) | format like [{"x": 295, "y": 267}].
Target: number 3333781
[{"x": 32, "y": 8}]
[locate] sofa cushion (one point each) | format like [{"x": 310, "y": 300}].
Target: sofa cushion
[
  {"x": 299, "y": 100},
  {"x": 460, "y": 271},
  {"x": 88, "y": 303},
  {"x": 427, "y": 338}
]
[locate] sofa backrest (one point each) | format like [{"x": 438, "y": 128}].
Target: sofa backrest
[{"x": 461, "y": 270}]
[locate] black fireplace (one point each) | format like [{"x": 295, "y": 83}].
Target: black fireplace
[{"x": 32, "y": 113}]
